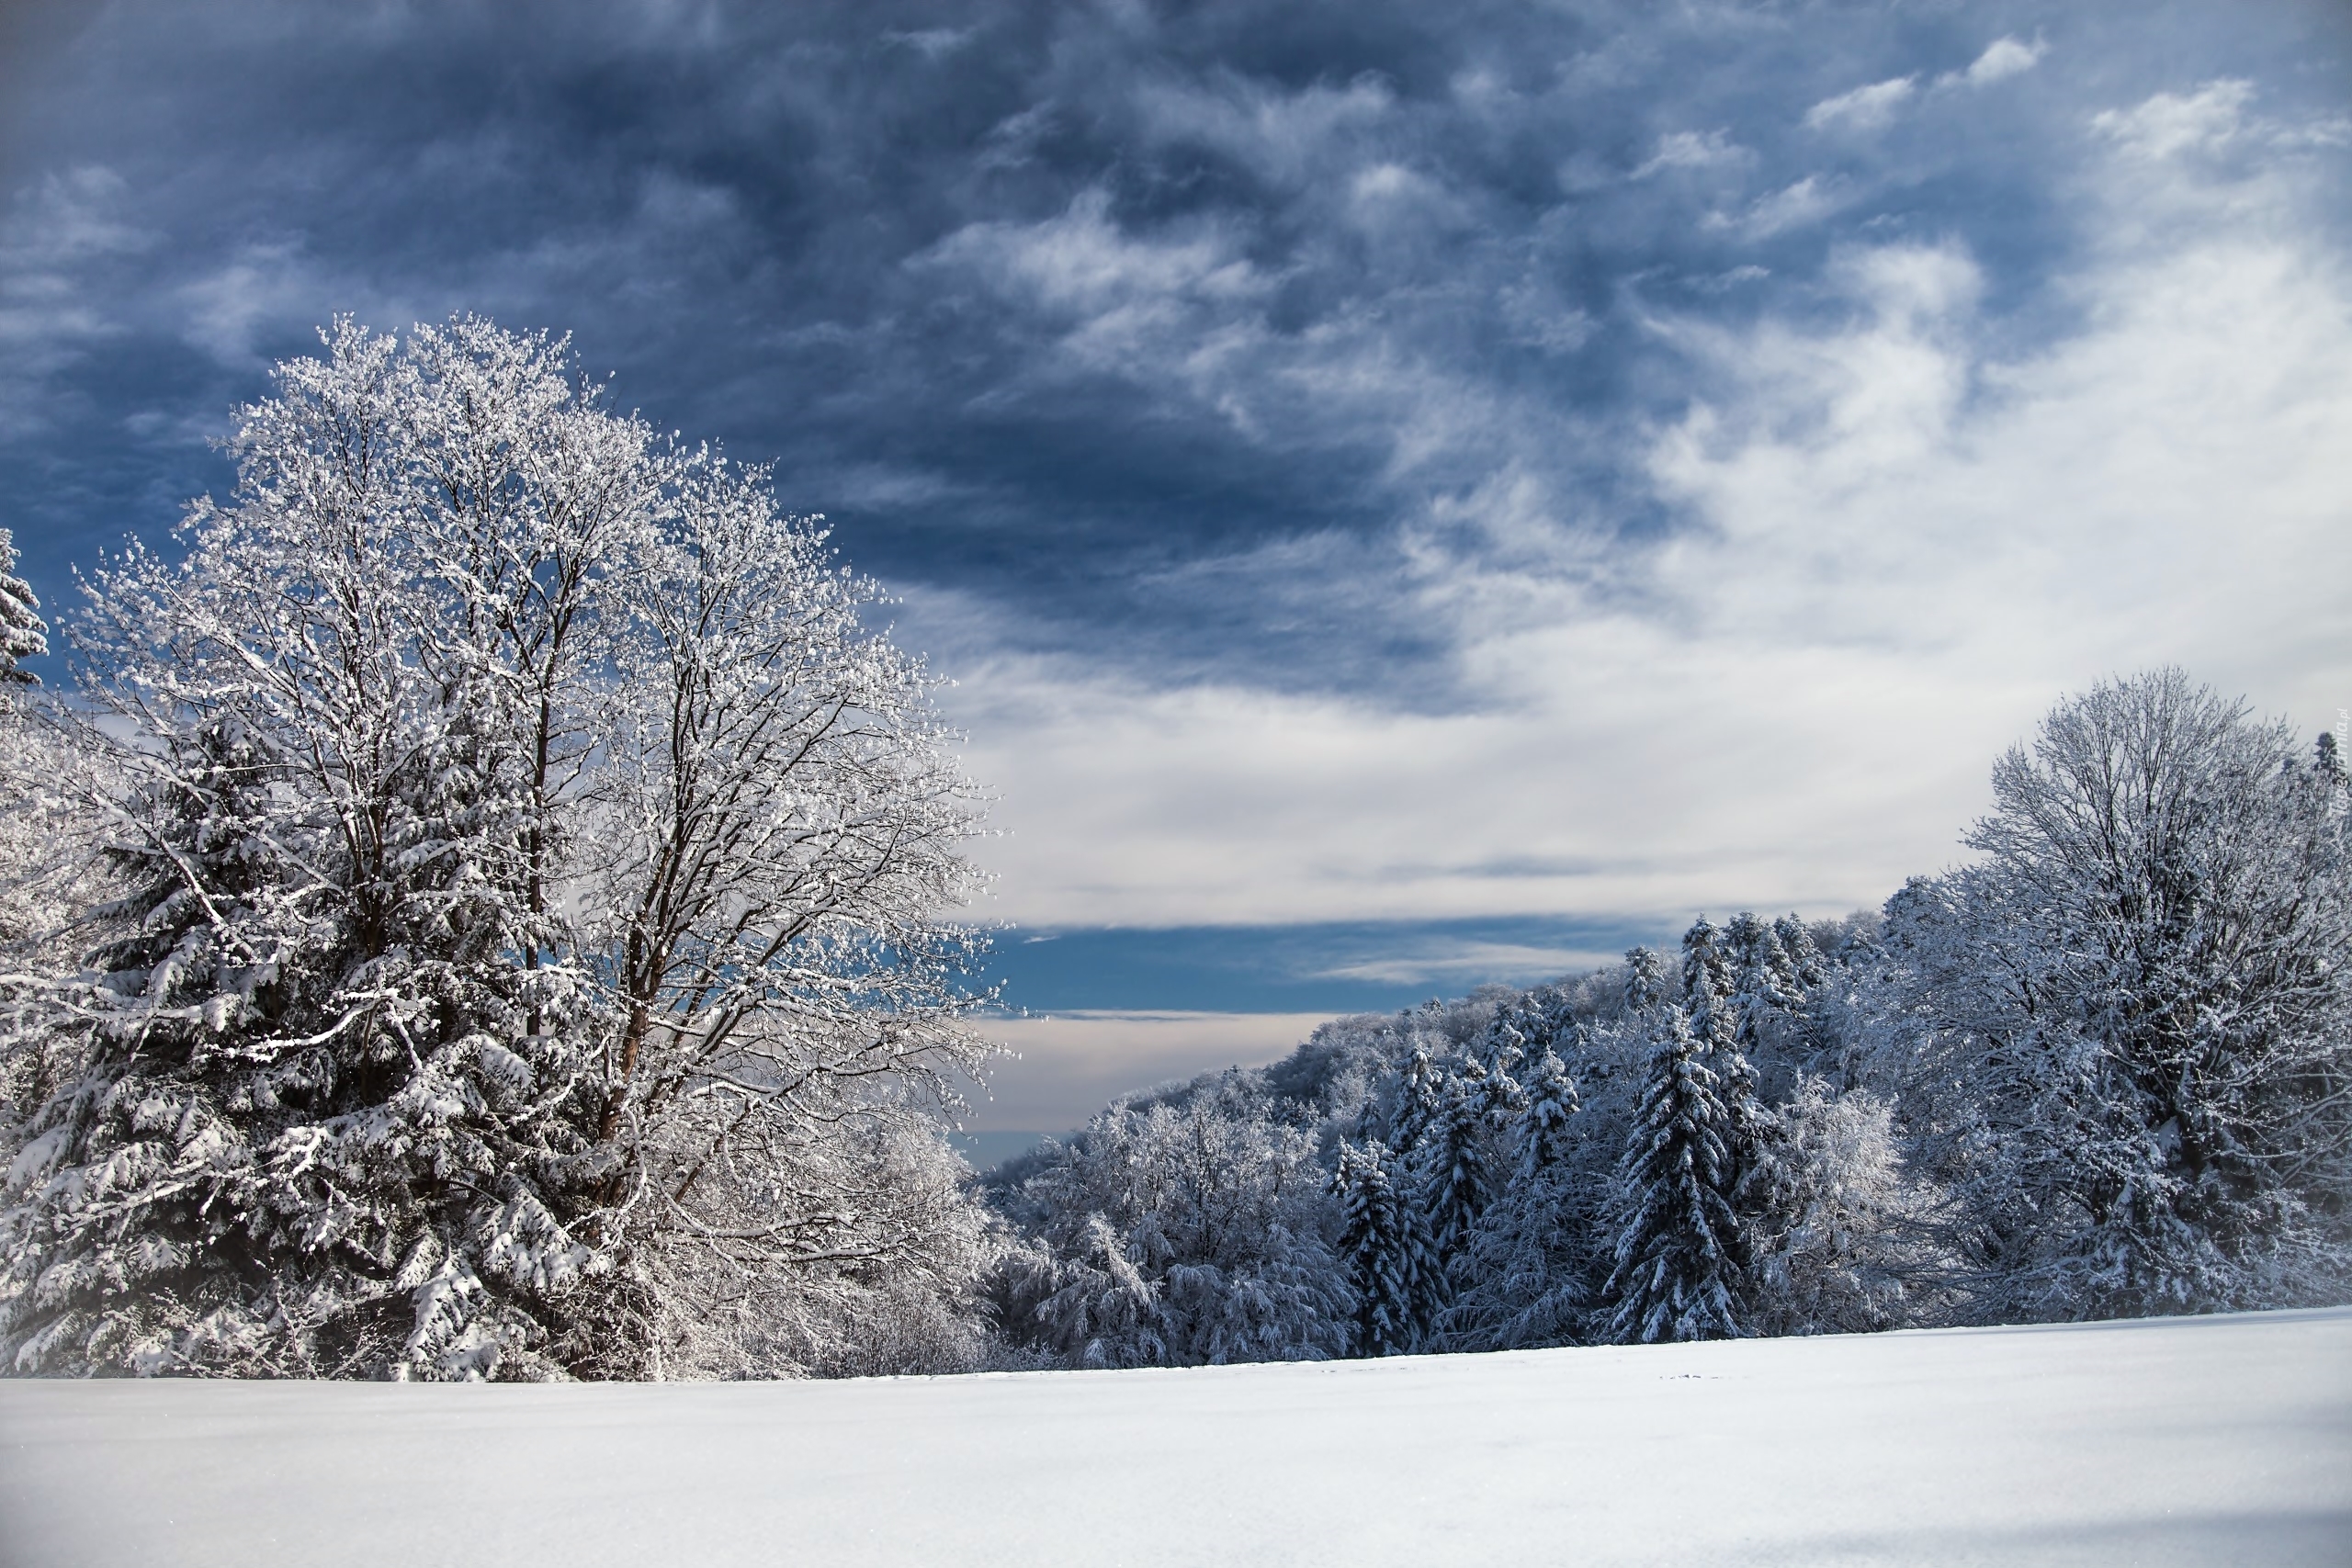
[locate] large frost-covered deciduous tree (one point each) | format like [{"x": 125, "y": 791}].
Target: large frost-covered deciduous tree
[
  {"x": 779, "y": 826},
  {"x": 2127, "y": 1031},
  {"x": 425, "y": 1040}
]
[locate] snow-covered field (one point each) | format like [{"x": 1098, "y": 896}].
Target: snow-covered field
[{"x": 2207, "y": 1441}]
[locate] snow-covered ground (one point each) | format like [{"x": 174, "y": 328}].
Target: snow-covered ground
[{"x": 2207, "y": 1441}]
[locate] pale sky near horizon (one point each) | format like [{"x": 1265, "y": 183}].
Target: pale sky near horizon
[{"x": 1407, "y": 497}]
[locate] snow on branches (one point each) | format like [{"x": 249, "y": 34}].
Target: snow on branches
[{"x": 532, "y": 942}]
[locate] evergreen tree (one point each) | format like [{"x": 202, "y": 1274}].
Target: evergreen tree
[
  {"x": 1766, "y": 993},
  {"x": 1385, "y": 1251},
  {"x": 1644, "y": 979},
  {"x": 1749, "y": 1131},
  {"x": 23, "y": 634},
  {"x": 1804, "y": 952},
  {"x": 1454, "y": 1183},
  {"x": 1704, "y": 964},
  {"x": 1415, "y": 1102},
  {"x": 1544, "y": 1133},
  {"x": 1678, "y": 1257}
]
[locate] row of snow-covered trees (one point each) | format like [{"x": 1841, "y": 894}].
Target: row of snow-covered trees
[
  {"x": 483, "y": 911},
  {"x": 2103, "y": 1069}
]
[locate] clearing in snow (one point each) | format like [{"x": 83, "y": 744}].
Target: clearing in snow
[{"x": 2210, "y": 1441}]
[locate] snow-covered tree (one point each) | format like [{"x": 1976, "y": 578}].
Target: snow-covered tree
[
  {"x": 1716, "y": 1022},
  {"x": 1840, "y": 1245},
  {"x": 1645, "y": 985},
  {"x": 1543, "y": 1129},
  {"x": 1766, "y": 992},
  {"x": 2126, "y": 1032},
  {"x": 1179, "y": 1237},
  {"x": 1680, "y": 1254},
  {"x": 1416, "y": 1100},
  {"x": 1706, "y": 965},
  {"x": 23, "y": 634},
  {"x": 379, "y": 1072},
  {"x": 1454, "y": 1179},
  {"x": 1392, "y": 1269}
]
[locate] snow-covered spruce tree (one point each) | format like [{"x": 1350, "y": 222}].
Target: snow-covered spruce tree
[
  {"x": 1543, "y": 1134},
  {"x": 1390, "y": 1266},
  {"x": 1523, "y": 1277},
  {"x": 2126, "y": 1034},
  {"x": 1645, "y": 982},
  {"x": 1766, "y": 994},
  {"x": 1179, "y": 1237},
  {"x": 1455, "y": 1164},
  {"x": 1680, "y": 1254},
  {"x": 50, "y": 862},
  {"x": 355, "y": 1093},
  {"x": 1716, "y": 1022},
  {"x": 23, "y": 634},
  {"x": 1416, "y": 1098}
]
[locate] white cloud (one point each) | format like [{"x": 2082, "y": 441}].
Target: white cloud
[
  {"x": 1286, "y": 138},
  {"x": 1082, "y": 261},
  {"x": 57, "y": 231},
  {"x": 1808, "y": 200},
  {"x": 263, "y": 287},
  {"x": 933, "y": 43},
  {"x": 1864, "y": 108},
  {"x": 1901, "y": 546},
  {"x": 2170, "y": 124},
  {"x": 1690, "y": 150},
  {"x": 2004, "y": 58},
  {"x": 1456, "y": 960}
]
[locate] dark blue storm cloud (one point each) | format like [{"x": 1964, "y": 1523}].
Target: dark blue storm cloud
[{"x": 1184, "y": 332}]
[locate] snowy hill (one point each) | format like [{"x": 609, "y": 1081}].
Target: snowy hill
[{"x": 2205, "y": 1440}]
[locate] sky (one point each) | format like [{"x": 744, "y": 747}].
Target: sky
[{"x": 1409, "y": 496}]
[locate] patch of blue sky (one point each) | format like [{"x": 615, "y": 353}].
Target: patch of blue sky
[{"x": 1327, "y": 967}]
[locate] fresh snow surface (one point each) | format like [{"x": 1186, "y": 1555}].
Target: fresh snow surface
[{"x": 2199, "y": 1440}]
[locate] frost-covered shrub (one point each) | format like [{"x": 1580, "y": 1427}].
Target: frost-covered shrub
[{"x": 1842, "y": 1233}]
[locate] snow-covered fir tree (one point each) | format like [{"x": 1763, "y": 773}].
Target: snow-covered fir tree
[
  {"x": 1766, "y": 992},
  {"x": 1415, "y": 1101},
  {"x": 1645, "y": 982},
  {"x": 1391, "y": 1267},
  {"x": 1706, "y": 965},
  {"x": 1679, "y": 1255},
  {"x": 23, "y": 634},
  {"x": 1454, "y": 1177},
  {"x": 1545, "y": 1129},
  {"x": 1717, "y": 1021}
]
